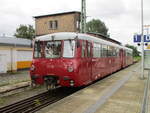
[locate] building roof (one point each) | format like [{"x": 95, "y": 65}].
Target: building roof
[
  {"x": 57, "y": 14},
  {"x": 72, "y": 35},
  {"x": 13, "y": 41}
]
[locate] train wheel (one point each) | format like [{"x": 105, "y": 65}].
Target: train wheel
[{"x": 33, "y": 85}]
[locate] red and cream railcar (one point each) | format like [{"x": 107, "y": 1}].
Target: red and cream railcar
[{"x": 73, "y": 59}]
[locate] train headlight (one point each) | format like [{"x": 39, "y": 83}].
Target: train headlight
[
  {"x": 32, "y": 68},
  {"x": 70, "y": 69},
  {"x": 71, "y": 83}
]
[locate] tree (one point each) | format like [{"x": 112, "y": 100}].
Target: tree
[
  {"x": 25, "y": 31},
  {"x": 135, "y": 51},
  {"x": 97, "y": 26}
]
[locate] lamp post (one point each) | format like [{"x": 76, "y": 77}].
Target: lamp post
[{"x": 142, "y": 39}]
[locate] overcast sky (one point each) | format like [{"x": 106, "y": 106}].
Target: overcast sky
[{"x": 122, "y": 17}]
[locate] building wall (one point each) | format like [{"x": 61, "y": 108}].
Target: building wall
[
  {"x": 9, "y": 58},
  {"x": 66, "y": 23},
  {"x": 24, "y": 58},
  {"x": 3, "y": 66},
  {"x": 14, "y": 58}
]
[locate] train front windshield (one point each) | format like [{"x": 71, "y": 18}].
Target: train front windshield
[{"x": 54, "y": 49}]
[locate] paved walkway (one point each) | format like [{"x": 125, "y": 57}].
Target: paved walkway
[
  {"x": 121, "y": 92},
  {"x": 148, "y": 104},
  {"x": 128, "y": 99}
]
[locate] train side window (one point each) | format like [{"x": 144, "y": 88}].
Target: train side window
[
  {"x": 37, "y": 50},
  {"x": 117, "y": 52},
  {"x": 83, "y": 49},
  {"x": 96, "y": 50},
  {"x": 104, "y": 50},
  {"x": 113, "y": 51},
  {"x": 109, "y": 51},
  {"x": 88, "y": 49},
  {"x": 100, "y": 50}
]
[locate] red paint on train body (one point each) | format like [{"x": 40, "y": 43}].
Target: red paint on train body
[{"x": 75, "y": 61}]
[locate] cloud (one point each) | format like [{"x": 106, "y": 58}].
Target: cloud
[
  {"x": 122, "y": 17},
  {"x": 106, "y": 8}
]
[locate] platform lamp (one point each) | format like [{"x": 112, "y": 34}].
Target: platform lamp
[{"x": 142, "y": 41}]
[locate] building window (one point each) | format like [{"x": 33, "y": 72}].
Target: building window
[
  {"x": 50, "y": 24},
  {"x": 78, "y": 25},
  {"x": 53, "y": 24}
]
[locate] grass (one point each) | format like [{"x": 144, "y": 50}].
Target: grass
[
  {"x": 14, "y": 82},
  {"x": 2, "y": 101},
  {"x": 4, "y": 84},
  {"x": 137, "y": 58},
  {"x": 14, "y": 72}
]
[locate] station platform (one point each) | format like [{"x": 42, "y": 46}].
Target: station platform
[{"x": 121, "y": 92}]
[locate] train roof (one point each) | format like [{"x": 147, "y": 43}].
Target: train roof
[
  {"x": 72, "y": 35},
  {"x": 99, "y": 35}
]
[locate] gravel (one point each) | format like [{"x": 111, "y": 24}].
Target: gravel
[{"x": 13, "y": 78}]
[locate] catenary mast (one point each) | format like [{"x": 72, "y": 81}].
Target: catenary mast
[{"x": 83, "y": 16}]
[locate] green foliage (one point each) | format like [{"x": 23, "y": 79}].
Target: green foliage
[
  {"x": 137, "y": 58},
  {"x": 25, "y": 31},
  {"x": 136, "y": 53},
  {"x": 97, "y": 26}
]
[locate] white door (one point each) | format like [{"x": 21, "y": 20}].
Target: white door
[{"x": 3, "y": 64}]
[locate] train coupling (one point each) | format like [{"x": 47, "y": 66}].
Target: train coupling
[{"x": 51, "y": 82}]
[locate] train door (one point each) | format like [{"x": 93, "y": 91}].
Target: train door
[
  {"x": 89, "y": 59},
  {"x": 121, "y": 58},
  {"x": 124, "y": 58},
  {"x": 98, "y": 63},
  {"x": 85, "y": 68}
]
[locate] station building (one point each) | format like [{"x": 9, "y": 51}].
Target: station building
[
  {"x": 58, "y": 22},
  {"x": 15, "y": 54}
]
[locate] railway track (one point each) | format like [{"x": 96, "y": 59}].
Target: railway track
[{"x": 35, "y": 103}]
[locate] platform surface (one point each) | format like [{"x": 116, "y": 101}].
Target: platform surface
[{"x": 122, "y": 92}]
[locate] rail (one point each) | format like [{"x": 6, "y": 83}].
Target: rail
[
  {"x": 37, "y": 102},
  {"x": 32, "y": 104}
]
